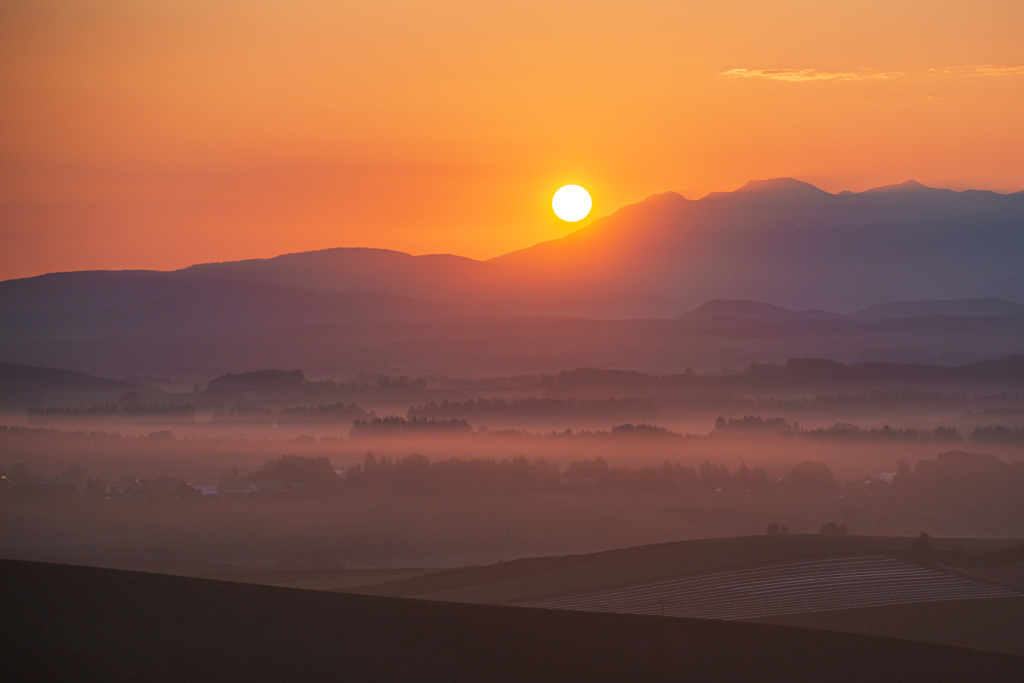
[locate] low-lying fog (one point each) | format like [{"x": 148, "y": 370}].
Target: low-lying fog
[{"x": 403, "y": 475}]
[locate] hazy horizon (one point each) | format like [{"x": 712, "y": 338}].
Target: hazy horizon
[
  {"x": 130, "y": 265},
  {"x": 169, "y": 134}
]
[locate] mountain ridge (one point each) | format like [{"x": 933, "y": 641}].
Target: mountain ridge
[
  {"x": 789, "y": 242},
  {"x": 780, "y": 240}
]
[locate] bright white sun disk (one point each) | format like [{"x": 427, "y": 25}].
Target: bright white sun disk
[{"x": 571, "y": 203}]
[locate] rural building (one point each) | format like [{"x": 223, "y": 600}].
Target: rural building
[
  {"x": 240, "y": 489},
  {"x": 60, "y": 486}
]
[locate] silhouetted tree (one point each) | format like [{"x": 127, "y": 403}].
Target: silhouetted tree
[
  {"x": 957, "y": 555},
  {"x": 21, "y": 482},
  {"x": 922, "y": 545},
  {"x": 812, "y": 477},
  {"x": 758, "y": 480},
  {"x": 832, "y": 529},
  {"x": 715, "y": 478},
  {"x": 521, "y": 474},
  {"x": 316, "y": 473}
]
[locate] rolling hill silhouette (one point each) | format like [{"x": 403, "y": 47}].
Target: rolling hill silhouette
[
  {"x": 28, "y": 384},
  {"x": 954, "y": 307},
  {"x": 742, "y": 308},
  {"x": 963, "y": 308},
  {"x": 442, "y": 278},
  {"x": 98, "y": 305}
]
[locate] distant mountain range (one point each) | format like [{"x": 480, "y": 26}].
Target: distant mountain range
[
  {"x": 807, "y": 270},
  {"x": 781, "y": 241},
  {"x": 789, "y": 243}
]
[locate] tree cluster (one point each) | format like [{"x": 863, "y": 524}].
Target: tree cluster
[
  {"x": 322, "y": 413},
  {"x": 317, "y": 473},
  {"x": 257, "y": 380},
  {"x": 798, "y": 374},
  {"x": 848, "y": 432},
  {"x": 997, "y": 436},
  {"x": 115, "y": 410},
  {"x": 417, "y": 473},
  {"x": 754, "y": 426},
  {"x": 400, "y": 426}
]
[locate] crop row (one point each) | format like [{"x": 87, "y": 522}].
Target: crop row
[{"x": 790, "y": 588}]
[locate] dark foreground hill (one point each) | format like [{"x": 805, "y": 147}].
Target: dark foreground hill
[
  {"x": 703, "y": 576},
  {"x": 74, "y": 623}
]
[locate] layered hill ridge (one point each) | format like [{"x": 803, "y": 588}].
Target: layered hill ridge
[
  {"x": 479, "y": 286},
  {"x": 743, "y": 308},
  {"x": 98, "y": 305},
  {"x": 781, "y": 240},
  {"x": 609, "y": 294},
  {"x": 27, "y": 385},
  {"x": 955, "y": 308}
]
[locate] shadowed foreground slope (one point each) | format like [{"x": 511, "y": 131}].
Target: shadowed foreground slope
[
  {"x": 86, "y": 623},
  {"x": 690, "y": 578}
]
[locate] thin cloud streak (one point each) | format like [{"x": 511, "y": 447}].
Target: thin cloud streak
[
  {"x": 802, "y": 75},
  {"x": 978, "y": 70}
]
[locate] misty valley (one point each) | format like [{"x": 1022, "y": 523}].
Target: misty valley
[{"x": 268, "y": 471}]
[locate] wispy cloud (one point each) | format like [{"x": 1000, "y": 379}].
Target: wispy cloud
[
  {"x": 978, "y": 70},
  {"x": 800, "y": 75},
  {"x": 803, "y": 75}
]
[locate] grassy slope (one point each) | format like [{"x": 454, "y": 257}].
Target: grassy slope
[
  {"x": 991, "y": 624},
  {"x": 76, "y": 623},
  {"x": 326, "y": 579}
]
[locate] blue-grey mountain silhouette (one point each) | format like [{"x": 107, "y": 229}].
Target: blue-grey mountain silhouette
[{"x": 791, "y": 244}]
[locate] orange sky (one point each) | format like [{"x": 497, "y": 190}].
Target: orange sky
[{"x": 168, "y": 132}]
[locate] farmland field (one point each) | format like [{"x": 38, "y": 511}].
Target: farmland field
[
  {"x": 789, "y": 588},
  {"x": 796, "y": 580}
]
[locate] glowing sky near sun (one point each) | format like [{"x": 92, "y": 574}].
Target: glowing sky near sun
[{"x": 163, "y": 133}]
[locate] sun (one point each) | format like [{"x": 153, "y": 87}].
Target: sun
[{"x": 571, "y": 203}]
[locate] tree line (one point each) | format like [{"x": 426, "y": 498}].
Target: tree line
[
  {"x": 650, "y": 408},
  {"x": 416, "y": 473}
]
